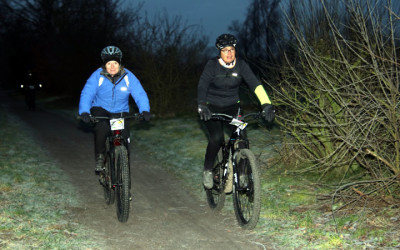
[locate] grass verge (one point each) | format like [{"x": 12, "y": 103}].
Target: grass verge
[{"x": 34, "y": 195}]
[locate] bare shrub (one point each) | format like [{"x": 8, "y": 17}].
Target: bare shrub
[{"x": 339, "y": 94}]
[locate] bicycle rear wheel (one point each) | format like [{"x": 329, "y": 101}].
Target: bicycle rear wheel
[
  {"x": 122, "y": 183},
  {"x": 216, "y": 195},
  {"x": 247, "y": 190}
]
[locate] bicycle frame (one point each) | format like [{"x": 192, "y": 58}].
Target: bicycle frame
[
  {"x": 235, "y": 142},
  {"x": 236, "y": 171},
  {"x": 116, "y": 138},
  {"x": 115, "y": 177}
]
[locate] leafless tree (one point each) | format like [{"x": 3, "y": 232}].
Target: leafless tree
[
  {"x": 259, "y": 35},
  {"x": 170, "y": 53}
]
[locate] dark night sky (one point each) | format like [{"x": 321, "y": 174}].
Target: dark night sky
[{"x": 213, "y": 15}]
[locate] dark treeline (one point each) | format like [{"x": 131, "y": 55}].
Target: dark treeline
[{"x": 60, "y": 41}]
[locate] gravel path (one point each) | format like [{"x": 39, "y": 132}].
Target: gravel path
[{"x": 163, "y": 214}]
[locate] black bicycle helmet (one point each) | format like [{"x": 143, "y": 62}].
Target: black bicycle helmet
[
  {"x": 225, "y": 40},
  {"x": 111, "y": 53}
]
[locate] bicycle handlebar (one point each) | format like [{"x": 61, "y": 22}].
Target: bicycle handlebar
[
  {"x": 225, "y": 117},
  {"x": 136, "y": 116}
]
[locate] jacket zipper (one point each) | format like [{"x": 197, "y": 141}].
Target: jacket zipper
[{"x": 114, "y": 85}]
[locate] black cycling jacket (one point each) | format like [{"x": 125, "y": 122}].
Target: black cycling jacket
[{"x": 219, "y": 86}]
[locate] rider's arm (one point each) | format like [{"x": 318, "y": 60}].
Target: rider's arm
[
  {"x": 254, "y": 84},
  {"x": 88, "y": 92},
  {"x": 138, "y": 93},
  {"x": 205, "y": 79},
  {"x": 262, "y": 95}
]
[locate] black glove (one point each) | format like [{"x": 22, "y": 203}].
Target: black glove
[
  {"x": 85, "y": 117},
  {"x": 204, "y": 112},
  {"x": 268, "y": 112},
  {"x": 146, "y": 116}
]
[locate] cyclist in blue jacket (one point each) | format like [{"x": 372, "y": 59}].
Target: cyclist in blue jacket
[{"x": 106, "y": 93}]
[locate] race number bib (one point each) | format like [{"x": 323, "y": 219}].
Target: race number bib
[
  {"x": 117, "y": 124},
  {"x": 238, "y": 123}
]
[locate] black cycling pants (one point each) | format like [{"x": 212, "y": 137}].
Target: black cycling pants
[
  {"x": 102, "y": 129},
  {"x": 215, "y": 130}
]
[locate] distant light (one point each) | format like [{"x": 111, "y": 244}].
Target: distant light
[
  {"x": 22, "y": 86},
  {"x": 40, "y": 85}
]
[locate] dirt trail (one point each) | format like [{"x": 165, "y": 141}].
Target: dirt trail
[{"x": 163, "y": 214}]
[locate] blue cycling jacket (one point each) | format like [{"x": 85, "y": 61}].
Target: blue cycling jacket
[{"x": 103, "y": 93}]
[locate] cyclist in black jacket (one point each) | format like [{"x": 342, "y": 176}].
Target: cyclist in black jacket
[{"x": 218, "y": 92}]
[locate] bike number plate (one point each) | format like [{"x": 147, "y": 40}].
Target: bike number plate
[
  {"x": 117, "y": 124},
  {"x": 238, "y": 123}
]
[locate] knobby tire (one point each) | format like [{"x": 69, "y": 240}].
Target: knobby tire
[
  {"x": 247, "y": 190},
  {"x": 122, "y": 182},
  {"x": 216, "y": 195},
  {"x": 109, "y": 192}
]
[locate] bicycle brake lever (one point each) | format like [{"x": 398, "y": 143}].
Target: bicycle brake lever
[{"x": 93, "y": 119}]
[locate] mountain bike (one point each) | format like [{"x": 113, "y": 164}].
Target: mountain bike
[
  {"x": 115, "y": 177},
  {"x": 236, "y": 165}
]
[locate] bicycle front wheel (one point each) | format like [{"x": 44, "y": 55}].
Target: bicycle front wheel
[
  {"x": 216, "y": 195},
  {"x": 247, "y": 190},
  {"x": 109, "y": 193},
  {"x": 122, "y": 183}
]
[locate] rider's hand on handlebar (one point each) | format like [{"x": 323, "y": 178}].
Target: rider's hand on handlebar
[
  {"x": 204, "y": 112},
  {"x": 268, "y": 112},
  {"x": 146, "y": 116},
  {"x": 85, "y": 117}
]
